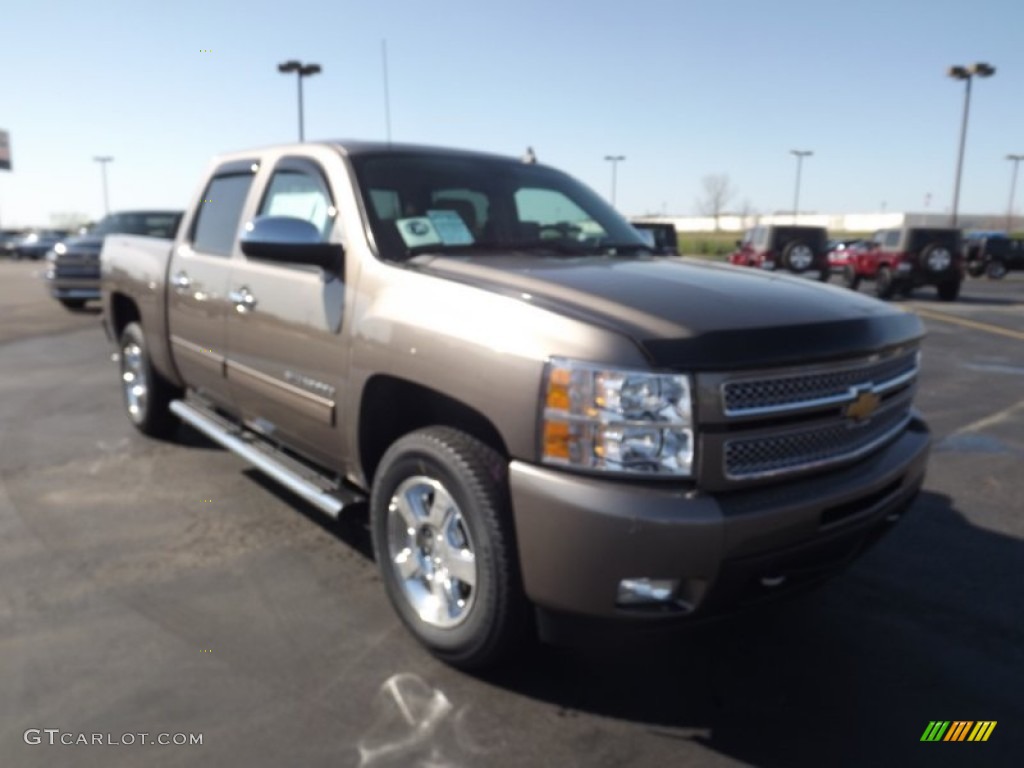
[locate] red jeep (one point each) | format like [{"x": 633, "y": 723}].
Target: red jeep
[
  {"x": 797, "y": 249},
  {"x": 900, "y": 260}
]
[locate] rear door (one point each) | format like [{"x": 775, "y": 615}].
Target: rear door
[
  {"x": 198, "y": 280},
  {"x": 286, "y": 363}
]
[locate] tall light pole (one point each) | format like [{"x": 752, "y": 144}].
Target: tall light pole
[
  {"x": 302, "y": 70},
  {"x": 978, "y": 69},
  {"x": 103, "y": 160},
  {"x": 1015, "y": 159},
  {"x": 800, "y": 154},
  {"x": 614, "y": 160}
]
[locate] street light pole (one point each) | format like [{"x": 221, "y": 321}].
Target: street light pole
[
  {"x": 978, "y": 69},
  {"x": 103, "y": 160},
  {"x": 1013, "y": 188},
  {"x": 614, "y": 160},
  {"x": 800, "y": 155},
  {"x": 302, "y": 70}
]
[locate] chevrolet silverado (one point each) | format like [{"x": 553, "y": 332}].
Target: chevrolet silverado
[{"x": 542, "y": 418}]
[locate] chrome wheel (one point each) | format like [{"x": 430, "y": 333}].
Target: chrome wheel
[
  {"x": 801, "y": 258},
  {"x": 133, "y": 381},
  {"x": 431, "y": 552}
]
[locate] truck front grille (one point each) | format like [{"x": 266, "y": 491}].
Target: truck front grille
[
  {"x": 762, "y": 426},
  {"x": 809, "y": 448},
  {"x": 792, "y": 392}
]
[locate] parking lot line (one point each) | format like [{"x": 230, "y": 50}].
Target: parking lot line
[{"x": 988, "y": 327}]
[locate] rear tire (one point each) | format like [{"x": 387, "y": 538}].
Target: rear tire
[
  {"x": 850, "y": 277},
  {"x": 885, "y": 285},
  {"x": 949, "y": 291},
  {"x": 976, "y": 268},
  {"x": 147, "y": 395},
  {"x": 444, "y": 542}
]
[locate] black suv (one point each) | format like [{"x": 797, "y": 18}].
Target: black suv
[
  {"x": 798, "y": 249},
  {"x": 993, "y": 255},
  {"x": 661, "y": 237}
]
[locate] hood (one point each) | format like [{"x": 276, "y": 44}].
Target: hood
[
  {"x": 693, "y": 314},
  {"x": 82, "y": 243}
]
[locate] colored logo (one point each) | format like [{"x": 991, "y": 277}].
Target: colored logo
[
  {"x": 860, "y": 410},
  {"x": 417, "y": 228},
  {"x": 958, "y": 730}
]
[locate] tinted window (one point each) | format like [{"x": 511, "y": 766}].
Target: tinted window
[
  {"x": 216, "y": 227},
  {"x": 444, "y": 203},
  {"x": 302, "y": 196}
]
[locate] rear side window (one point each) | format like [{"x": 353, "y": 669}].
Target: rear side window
[{"x": 217, "y": 222}]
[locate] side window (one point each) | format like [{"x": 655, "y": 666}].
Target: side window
[
  {"x": 216, "y": 225},
  {"x": 760, "y": 236},
  {"x": 892, "y": 238},
  {"x": 301, "y": 195}
]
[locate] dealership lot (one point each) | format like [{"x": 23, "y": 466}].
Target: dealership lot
[{"x": 153, "y": 587}]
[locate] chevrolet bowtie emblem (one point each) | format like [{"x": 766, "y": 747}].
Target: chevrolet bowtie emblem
[{"x": 867, "y": 403}]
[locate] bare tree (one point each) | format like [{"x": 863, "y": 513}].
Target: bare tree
[
  {"x": 718, "y": 191},
  {"x": 747, "y": 212}
]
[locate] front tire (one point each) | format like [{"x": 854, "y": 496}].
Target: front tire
[
  {"x": 995, "y": 270},
  {"x": 444, "y": 542},
  {"x": 885, "y": 283},
  {"x": 850, "y": 277},
  {"x": 147, "y": 395}
]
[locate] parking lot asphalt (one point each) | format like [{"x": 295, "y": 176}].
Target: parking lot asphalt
[{"x": 157, "y": 587}]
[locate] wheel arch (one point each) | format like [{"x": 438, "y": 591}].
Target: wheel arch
[{"x": 391, "y": 407}]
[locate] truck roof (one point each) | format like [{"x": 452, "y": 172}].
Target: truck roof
[{"x": 355, "y": 147}]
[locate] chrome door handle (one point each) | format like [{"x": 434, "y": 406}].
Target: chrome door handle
[
  {"x": 181, "y": 281},
  {"x": 242, "y": 299}
]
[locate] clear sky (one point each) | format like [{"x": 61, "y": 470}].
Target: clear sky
[{"x": 682, "y": 89}]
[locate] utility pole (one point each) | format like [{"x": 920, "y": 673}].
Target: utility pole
[
  {"x": 800, "y": 154},
  {"x": 103, "y": 160},
  {"x": 967, "y": 74},
  {"x": 614, "y": 160}
]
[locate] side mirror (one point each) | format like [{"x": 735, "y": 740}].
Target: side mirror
[{"x": 289, "y": 240}]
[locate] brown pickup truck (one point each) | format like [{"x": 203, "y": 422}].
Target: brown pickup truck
[{"x": 546, "y": 420}]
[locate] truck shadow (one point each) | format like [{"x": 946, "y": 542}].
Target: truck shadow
[{"x": 922, "y": 628}]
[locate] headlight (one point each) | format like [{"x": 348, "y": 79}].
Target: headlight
[
  {"x": 615, "y": 420},
  {"x": 60, "y": 248}
]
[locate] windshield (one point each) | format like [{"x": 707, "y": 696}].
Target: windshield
[
  {"x": 438, "y": 203},
  {"x": 152, "y": 224}
]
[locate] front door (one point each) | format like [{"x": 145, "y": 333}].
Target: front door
[{"x": 286, "y": 362}]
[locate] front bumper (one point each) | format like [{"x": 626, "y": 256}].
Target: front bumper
[
  {"x": 71, "y": 287},
  {"x": 579, "y": 536}
]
